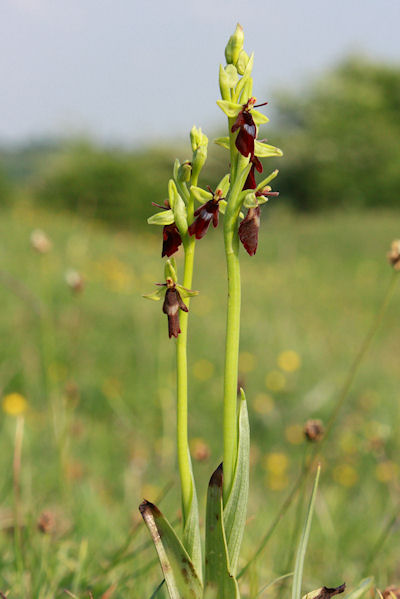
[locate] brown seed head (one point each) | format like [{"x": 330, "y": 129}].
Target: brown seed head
[
  {"x": 390, "y": 591},
  {"x": 46, "y": 522},
  {"x": 394, "y": 254},
  {"x": 314, "y": 430}
]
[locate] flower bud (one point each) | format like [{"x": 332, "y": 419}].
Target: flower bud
[
  {"x": 185, "y": 172},
  {"x": 199, "y": 143},
  {"x": 314, "y": 430},
  {"x": 242, "y": 62},
  {"x": 235, "y": 45}
]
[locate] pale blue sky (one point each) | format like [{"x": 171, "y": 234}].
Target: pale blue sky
[{"x": 123, "y": 70}]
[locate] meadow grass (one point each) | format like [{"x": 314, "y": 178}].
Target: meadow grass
[{"x": 96, "y": 370}]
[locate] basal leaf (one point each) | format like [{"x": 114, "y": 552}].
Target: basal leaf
[
  {"x": 236, "y": 506},
  {"x": 219, "y": 582},
  {"x": 191, "y": 531},
  {"x": 179, "y": 572}
]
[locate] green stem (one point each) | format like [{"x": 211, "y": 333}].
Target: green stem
[
  {"x": 231, "y": 240},
  {"x": 185, "y": 470}
]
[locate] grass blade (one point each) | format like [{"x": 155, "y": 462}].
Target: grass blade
[{"x": 302, "y": 548}]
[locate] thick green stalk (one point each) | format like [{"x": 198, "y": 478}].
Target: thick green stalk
[
  {"x": 185, "y": 470},
  {"x": 182, "y": 390},
  {"x": 231, "y": 240}
]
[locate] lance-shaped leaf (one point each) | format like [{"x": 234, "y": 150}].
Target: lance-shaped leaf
[
  {"x": 219, "y": 582},
  {"x": 263, "y": 150},
  {"x": 179, "y": 572},
  {"x": 191, "y": 531},
  {"x": 163, "y": 218},
  {"x": 302, "y": 548},
  {"x": 236, "y": 506}
]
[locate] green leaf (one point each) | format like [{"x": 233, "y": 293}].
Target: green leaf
[
  {"x": 263, "y": 150},
  {"x": 156, "y": 295},
  {"x": 191, "y": 531},
  {"x": 236, "y": 506},
  {"x": 220, "y": 584},
  {"x": 258, "y": 117},
  {"x": 274, "y": 582},
  {"x": 231, "y": 109},
  {"x": 180, "y": 575},
  {"x": 223, "y": 185},
  {"x": 301, "y": 550},
  {"x": 201, "y": 195},
  {"x": 222, "y": 141},
  {"x": 166, "y": 217}
]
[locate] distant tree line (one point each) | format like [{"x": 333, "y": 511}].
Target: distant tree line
[{"x": 340, "y": 139}]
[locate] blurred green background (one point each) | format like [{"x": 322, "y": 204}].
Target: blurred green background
[{"x": 95, "y": 365}]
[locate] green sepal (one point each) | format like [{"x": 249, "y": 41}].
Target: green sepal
[
  {"x": 236, "y": 506},
  {"x": 242, "y": 62},
  {"x": 186, "y": 292},
  {"x": 170, "y": 270},
  {"x": 250, "y": 200},
  {"x": 245, "y": 79},
  {"x": 223, "y": 185},
  {"x": 222, "y": 141},
  {"x": 219, "y": 582},
  {"x": 178, "y": 207},
  {"x": 200, "y": 194},
  {"x": 231, "y": 109},
  {"x": 267, "y": 180},
  {"x": 258, "y": 117},
  {"x": 166, "y": 217},
  {"x": 302, "y": 547},
  {"x": 263, "y": 150},
  {"x": 228, "y": 77},
  {"x": 156, "y": 295},
  {"x": 179, "y": 572}
]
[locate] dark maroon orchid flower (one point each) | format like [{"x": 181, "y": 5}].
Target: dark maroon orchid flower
[
  {"x": 171, "y": 240},
  {"x": 171, "y": 236},
  {"x": 250, "y": 225},
  {"x": 247, "y": 128},
  {"x": 205, "y": 214},
  {"x": 251, "y": 179},
  {"x": 171, "y": 306},
  {"x": 248, "y": 230}
]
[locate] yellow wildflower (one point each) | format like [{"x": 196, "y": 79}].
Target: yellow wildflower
[
  {"x": 346, "y": 475},
  {"x": 275, "y": 381},
  {"x": 14, "y": 404},
  {"x": 289, "y": 360}
]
